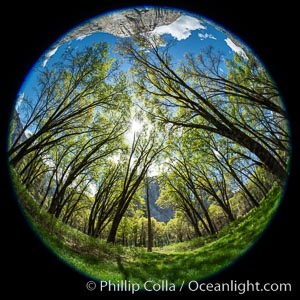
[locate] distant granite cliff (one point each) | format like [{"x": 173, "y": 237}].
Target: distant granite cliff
[
  {"x": 126, "y": 23},
  {"x": 123, "y": 23},
  {"x": 160, "y": 214}
]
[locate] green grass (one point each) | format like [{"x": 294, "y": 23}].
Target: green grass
[{"x": 192, "y": 260}]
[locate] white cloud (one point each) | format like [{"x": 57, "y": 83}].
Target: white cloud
[
  {"x": 181, "y": 28},
  {"x": 235, "y": 48},
  {"x": 206, "y": 36},
  {"x": 48, "y": 56},
  {"x": 80, "y": 38}
]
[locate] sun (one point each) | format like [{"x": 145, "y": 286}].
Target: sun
[{"x": 136, "y": 126}]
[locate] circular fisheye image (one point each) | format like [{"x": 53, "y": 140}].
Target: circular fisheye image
[{"x": 150, "y": 145}]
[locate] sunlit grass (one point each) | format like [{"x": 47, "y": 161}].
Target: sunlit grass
[{"x": 193, "y": 260}]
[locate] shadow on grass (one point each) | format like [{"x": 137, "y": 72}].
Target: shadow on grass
[
  {"x": 204, "y": 261},
  {"x": 194, "y": 260},
  {"x": 175, "y": 267},
  {"x": 122, "y": 269}
]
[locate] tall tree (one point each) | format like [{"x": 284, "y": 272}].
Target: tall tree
[
  {"x": 194, "y": 95},
  {"x": 105, "y": 199},
  {"x": 225, "y": 160},
  {"x": 68, "y": 95},
  {"x": 149, "y": 221},
  {"x": 144, "y": 149},
  {"x": 82, "y": 156}
]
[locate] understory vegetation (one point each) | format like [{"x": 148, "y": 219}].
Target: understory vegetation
[{"x": 190, "y": 260}]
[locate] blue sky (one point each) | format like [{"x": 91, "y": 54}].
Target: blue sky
[{"x": 190, "y": 33}]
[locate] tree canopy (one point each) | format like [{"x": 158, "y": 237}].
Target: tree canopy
[{"x": 214, "y": 141}]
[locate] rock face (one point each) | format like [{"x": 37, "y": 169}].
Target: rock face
[
  {"x": 160, "y": 214},
  {"x": 122, "y": 23},
  {"x": 127, "y": 22}
]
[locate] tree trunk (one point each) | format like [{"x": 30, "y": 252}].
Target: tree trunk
[
  {"x": 240, "y": 182},
  {"x": 53, "y": 206},
  {"x": 211, "y": 226},
  {"x": 196, "y": 229},
  {"x": 230, "y": 214},
  {"x": 114, "y": 228},
  {"x": 150, "y": 233},
  {"x": 269, "y": 161}
]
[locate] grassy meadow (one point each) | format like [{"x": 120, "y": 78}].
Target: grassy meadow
[{"x": 192, "y": 260}]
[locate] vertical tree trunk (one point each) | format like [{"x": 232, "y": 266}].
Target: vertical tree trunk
[
  {"x": 150, "y": 232},
  {"x": 196, "y": 229}
]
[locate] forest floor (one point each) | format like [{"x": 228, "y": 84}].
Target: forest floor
[{"x": 193, "y": 260}]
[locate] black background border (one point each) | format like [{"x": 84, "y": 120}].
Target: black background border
[{"x": 29, "y": 269}]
